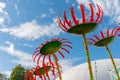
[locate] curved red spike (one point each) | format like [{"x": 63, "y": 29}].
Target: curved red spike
[
  {"x": 48, "y": 77},
  {"x": 68, "y": 22},
  {"x": 67, "y": 45},
  {"x": 35, "y": 53},
  {"x": 53, "y": 69},
  {"x": 39, "y": 59},
  {"x": 76, "y": 22},
  {"x": 33, "y": 69},
  {"x": 118, "y": 29},
  {"x": 56, "y": 57},
  {"x": 92, "y": 13},
  {"x": 102, "y": 35},
  {"x": 98, "y": 13},
  {"x": 43, "y": 61},
  {"x": 46, "y": 42},
  {"x": 65, "y": 50},
  {"x": 83, "y": 13},
  {"x": 49, "y": 57},
  {"x": 62, "y": 26},
  {"x": 108, "y": 32},
  {"x": 66, "y": 42},
  {"x": 45, "y": 68},
  {"x": 98, "y": 20},
  {"x": 35, "y": 57},
  {"x": 91, "y": 39},
  {"x": 113, "y": 31},
  {"x": 90, "y": 42},
  {"x": 96, "y": 37},
  {"x": 102, "y": 14},
  {"x": 63, "y": 39},
  {"x": 61, "y": 54},
  {"x": 31, "y": 75},
  {"x": 38, "y": 73}
]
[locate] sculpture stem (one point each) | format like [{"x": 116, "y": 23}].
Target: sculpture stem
[
  {"x": 88, "y": 57},
  {"x": 58, "y": 69},
  {"x": 44, "y": 77},
  {"x": 113, "y": 62}
]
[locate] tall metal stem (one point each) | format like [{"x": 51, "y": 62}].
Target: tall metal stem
[
  {"x": 113, "y": 62},
  {"x": 58, "y": 69},
  {"x": 88, "y": 57},
  {"x": 44, "y": 77}
]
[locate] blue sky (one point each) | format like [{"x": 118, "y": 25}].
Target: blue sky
[{"x": 24, "y": 24}]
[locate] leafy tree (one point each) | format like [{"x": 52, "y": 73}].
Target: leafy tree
[
  {"x": 3, "y": 77},
  {"x": 18, "y": 73}
]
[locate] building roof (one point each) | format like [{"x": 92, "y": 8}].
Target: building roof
[{"x": 102, "y": 70}]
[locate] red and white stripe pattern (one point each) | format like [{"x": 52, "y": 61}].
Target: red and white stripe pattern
[
  {"x": 67, "y": 24},
  {"x": 37, "y": 55},
  {"x": 109, "y": 33},
  {"x": 30, "y": 74}
]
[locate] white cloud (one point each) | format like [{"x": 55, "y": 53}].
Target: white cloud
[
  {"x": 68, "y": 63},
  {"x": 67, "y": 1},
  {"x": 1, "y": 20},
  {"x": 25, "y": 59},
  {"x": 52, "y": 11},
  {"x": 43, "y": 15},
  {"x": 2, "y": 6},
  {"x": 22, "y": 57},
  {"x": 7, "y": 73},
  {"x": 16, "y": 8},
  {"x": 111, "y": 8},
  {"x": 26, "y": 45},
  {"x": 3, "y": 14},
  {"x": 32, "y": 30}
]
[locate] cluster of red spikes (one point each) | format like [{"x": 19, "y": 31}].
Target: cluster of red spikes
[
  {"x": 30, "y": 74},
  {"x": 63, "y": 41},
  {"x": 109, "y": 32},
  {"x": 67, "y": 24}
]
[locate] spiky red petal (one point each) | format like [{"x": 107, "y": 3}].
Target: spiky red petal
[
  {"x": 83, "y": 14},
  {"x": 76, "y": 22},
  {"x": 102, "y": 35},
  {"x": 61, "y": 54},
  {"x": 92, "y": 13}
]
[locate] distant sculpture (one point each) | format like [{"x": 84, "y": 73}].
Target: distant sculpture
[{"x": 83, "y": 27}]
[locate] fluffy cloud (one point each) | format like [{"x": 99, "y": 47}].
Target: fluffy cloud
[
  {"x": 7, "y": 73},
  {"x": 32, "y": 30},
  {"x": 3, "y": 14},
  {"x": 16, "y": 8},
  {"x": 2, "y": 6},
  {"x": 68, "y": 63},
  {"x": 51, "y": 11},
  {"x": 26, "y": 59},
  {"x": 111, "y": 8},
  {"x": 22, "y": 57},
  {"x": 67, "y": 1},
  {"x": 43, "y": 15}
]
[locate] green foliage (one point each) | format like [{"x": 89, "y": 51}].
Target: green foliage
[
  {"x": 3, "y": 77},
  {"x": 18, "y": 73}
]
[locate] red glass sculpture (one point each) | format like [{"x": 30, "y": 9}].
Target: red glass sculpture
[
  {"x": 42, "y": 72},
  {"x": 105, "y": 40},
  {"x": 49, "y": 50},
  {"x": 82, "y": 26}
]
